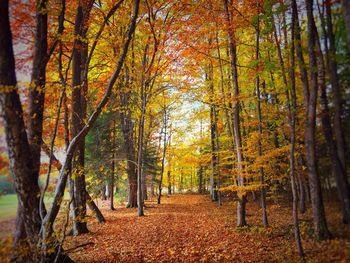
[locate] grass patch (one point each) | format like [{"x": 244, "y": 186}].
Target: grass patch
[{"x": 8, "y": 206}]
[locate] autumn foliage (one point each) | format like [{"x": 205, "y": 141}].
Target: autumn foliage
[{"x": 144, "y": 103}]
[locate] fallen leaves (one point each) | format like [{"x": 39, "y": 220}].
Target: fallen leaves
[{"x": 190, "y": 228}]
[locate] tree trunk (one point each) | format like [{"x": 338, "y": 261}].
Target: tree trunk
[
  {"x": 169, "y": 182},
  {"x": 333, "y": 76},
  {"x": 261, "y": 169},
  {"x": 111, "y": 185},
  {"x": 127, "y": 129},
  {"x": 140, "y": 154},
  {"x": 181, "y": 182},
  {"x": 169, "y": 171},
  {"x": 144, "y": 187},
  {"x": 213, "y": 175},
  {"x": 346, "y": 13},
  {"x": 103, "y": 191},
  {"x": 78, "y": 115},
  {"x": 337, "y": 165},
  {"x": 310, "y": 98},
  {"x": 213, "y": 134},
  {"x": 241, "y": 204},
  {"x": 21, "y": 164},
  {"x": 201, "y": 182},
  {"x": 93, "y": 207},
  {"x": 337, "y": 149},
  {"x": 111, "y": 188},
  {"x": 90, "y": 202},
  {"x": 165, "y": 124},
  {"x": 320, "y": 224},
  {"x": 292, "y": 108},
  {"x": 302, "y": 193},
  {"x": 37, "y": 92}
]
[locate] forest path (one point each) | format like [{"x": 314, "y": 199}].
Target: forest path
[{"x": 189, "y": 228}]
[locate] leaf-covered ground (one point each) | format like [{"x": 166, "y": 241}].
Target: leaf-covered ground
[{"x": 191, "y": 228}]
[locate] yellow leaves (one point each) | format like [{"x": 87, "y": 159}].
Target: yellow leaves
[
  {"x": 77, "y": 172},
  {"x": 242, "y": 189},
  {"x": 29, "y": 85},
  {"x": 273, "y": 154},
  {"x": 7, "y": 88}
]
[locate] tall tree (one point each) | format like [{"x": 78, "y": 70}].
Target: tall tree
[
  {"x": 241, "y": 204},
  {"x": 21, "y": 166},
  {"x": 213, "y": 135},
  {"x": 292, "y": 108},
  {"x": 37, "y": 95},
  {"x": 310, "y": 97},
  {"x": 257, "y": 86},
  {"x": 127, "y": 127},
  {"x": 165, "y": 143},
  {"x": 47, "y": 243},
  {"x": 346, "y": 12},
  {"x": 79, "y": 84},
  {"x": 336, "y": 147}
]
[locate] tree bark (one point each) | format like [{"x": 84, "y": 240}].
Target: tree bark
[
  {"x": 213, "y": 135},
  {"x": 111, "y": 188},
  {"x": 346, "y": 13},
  {"x": 292, "y": 108},
  {"x": 21, "y": 164},
  {"x": 90, "y": 202},
  {"x": 257, "y": 86},
  {"x": 302, "y": 192},
  {"x": 169, "y": 181},
  {"x": 93, "y": 207},
  {"x": 128, "y": 132},
  {"x": 165, "y": 125},
  {"x": 140, "y": 154},
  {"x": 37, "y": 91},
  {"x": 334, "y": 80},
  {"x": 112, "y": 179},
  {"x": 78, "y": 115},
  {"x": 320, "y": 223},
  {"x": 241, "y": 204},
  {"x": 337, "y": 165}
]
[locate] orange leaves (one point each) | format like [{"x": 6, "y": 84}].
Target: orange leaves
[
  {"x": 191, "y": 228},
  {"x": 3, "y": 164}
]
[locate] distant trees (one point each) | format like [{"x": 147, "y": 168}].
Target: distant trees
[{"x": 295, "y": 83}]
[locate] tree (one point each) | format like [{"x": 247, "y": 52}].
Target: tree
[
  {"x": 346, "y": 12},
  {"x": 336, "y": 148},
  {"x": 310, "y": 97},
  {"x": 47, "y": 228},
  {"x": 79, "y": 84},
  {"x": 241, "y": 210}
]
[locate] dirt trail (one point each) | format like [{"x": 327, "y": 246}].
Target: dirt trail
[{"x": 191, "y": 228}]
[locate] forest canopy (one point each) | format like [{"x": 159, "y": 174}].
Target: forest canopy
[{"x": 111, "y": 104}]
